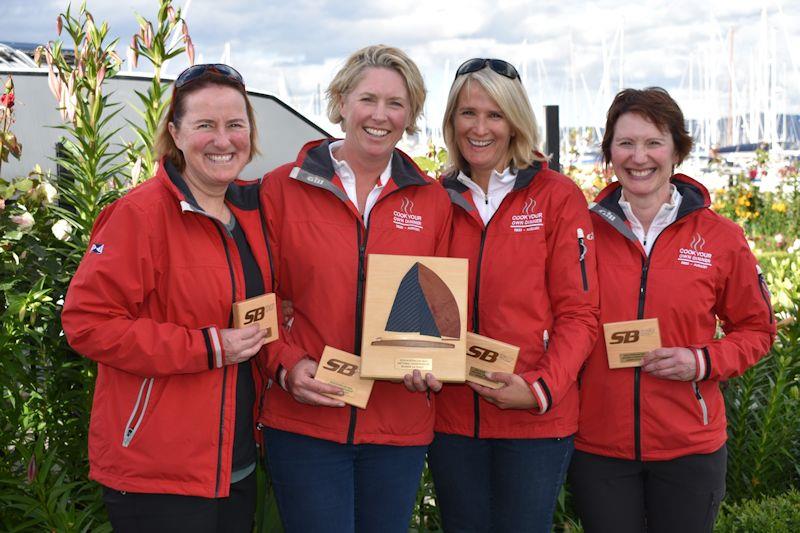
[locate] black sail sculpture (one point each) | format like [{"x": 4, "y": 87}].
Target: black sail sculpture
[{"x": 423, "y": 305}]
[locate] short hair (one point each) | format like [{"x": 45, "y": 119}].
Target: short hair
[
  {"x": 377, "y": 56},
  {"x": 657, "y": 106},
  {"x": 165, "y": 146},
  {"x": 510, "y": 97}
]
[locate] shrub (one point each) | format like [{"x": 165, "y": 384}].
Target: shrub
[{"x": 776, "y": 514}]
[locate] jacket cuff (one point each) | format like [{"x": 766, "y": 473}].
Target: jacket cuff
[
  {"x": 542, "y": 393},
  {"x": 702, "y": 363},
  {"x": 214, "y": 349},
  {"x": 285, "y": 362}
]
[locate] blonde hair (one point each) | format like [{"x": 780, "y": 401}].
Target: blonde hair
[
  {"x": 377, "y": 56},
  {"x": 165, "y": 146},
  {"x": 510, "y": 97}
]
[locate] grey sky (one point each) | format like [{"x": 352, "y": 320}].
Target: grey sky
[{"x": 292, "y": 48}]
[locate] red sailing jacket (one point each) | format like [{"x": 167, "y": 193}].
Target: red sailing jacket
[
  {"x": 320, "y": 247},
  {"x": 147, "y": 303},
  {"x": 532, "y": 279},
  {"x": 700, "y": 268}
]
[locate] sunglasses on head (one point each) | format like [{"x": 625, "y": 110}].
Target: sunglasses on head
[
  {"x": 503, "y": 68},
  {"x": 196, "y": 71}
]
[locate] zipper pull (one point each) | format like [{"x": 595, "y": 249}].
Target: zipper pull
[{"x": 581, "y": 259}]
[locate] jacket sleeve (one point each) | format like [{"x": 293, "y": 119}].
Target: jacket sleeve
[
  {"x": 282, "y": 353},
  {"x": 102, "y": 315},
  {"x": 571, "y": 279},
  {"x": 743, "y": 306}
]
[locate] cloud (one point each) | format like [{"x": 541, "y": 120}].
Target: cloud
[{"x": 570, "y": 53}]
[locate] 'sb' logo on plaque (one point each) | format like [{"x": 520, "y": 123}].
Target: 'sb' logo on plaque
[
  {"x": 253, "y": 315},
  {"x": 624, "y": 337},
  {"x": 340, "y": 367},
  {"x": 483, "y": 354}
]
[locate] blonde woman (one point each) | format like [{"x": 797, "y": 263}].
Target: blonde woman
[
  {"x": 500, "y": 456},
  {"x": 338, "y": 468}
]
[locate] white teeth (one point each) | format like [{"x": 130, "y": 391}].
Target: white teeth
[
  {"x": 222, "y": 158},
  {"x": 640, "y": 173},
  {"x": 375, "y": 132},
  {"x": 480, "y": 144}
]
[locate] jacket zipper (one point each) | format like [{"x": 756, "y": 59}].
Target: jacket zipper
[
  {"x": 362, "y": 277},
  {"x": 701, "y": 401},
  {"x": 130, "y": 427},
  {"x": 637, "y": 372},
  {"x": 218, "y": 225},
  {"x": 476, "y": 323}
]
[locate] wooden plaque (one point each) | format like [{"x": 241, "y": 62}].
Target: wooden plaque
[
  {"x": 342, "y": 369},
  {"x": 488, "y": 355},
  {"x": 261, "y": 310},
  {"x": 415, "y": 316},
  {"x": 628, "y": 342}
]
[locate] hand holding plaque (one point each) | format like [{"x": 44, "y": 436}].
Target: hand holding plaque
[
  {"x": 342, "y": 370},
  {"x": 628, "y": 342},
  {"x": 488, "y": 355},
  {"x": 259, "y": 310}
]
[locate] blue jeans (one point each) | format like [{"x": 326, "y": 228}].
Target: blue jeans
[
  {"x": 322, "y": 485},
  {"x": 498, "y": 484}
]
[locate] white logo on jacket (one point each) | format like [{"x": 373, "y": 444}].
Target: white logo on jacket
[
  {"x": 405, "y": 219},
  {"x": 694, "y": 255},
  {"x": 527, "y": 220}
]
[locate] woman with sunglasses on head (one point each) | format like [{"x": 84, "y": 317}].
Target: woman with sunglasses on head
[
  {"x": 650, "y": 451},
  {"x": 171, "y": 436},
  {"x": 338, "y": 468},
  {"x": 500, "y": 455}
]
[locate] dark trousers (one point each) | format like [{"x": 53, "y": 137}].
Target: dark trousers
[
  {"x": 325, "y": 486},
  {"x": 133, "y": 512},
  {"x": 681, "y": 495},
  {"x": 498, "y": 485}
]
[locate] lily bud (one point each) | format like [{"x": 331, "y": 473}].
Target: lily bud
[
  {"x": 37, "y": 55},
  {"x": 171, "y": 14},
  {"x": 101, "y": 75},
  {"x": 32, "y": 467},
  {"x": 54, "y": 83},
  {"x": 59, "y": 25},
  {"x": 190, "y": 50},
  {"x": 9, "y": 84},
  {"x": 148, "y": 35}
]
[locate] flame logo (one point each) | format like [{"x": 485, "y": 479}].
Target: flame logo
[
  {"x": 407, "y": 206},
  {"x": 530, "y": 204},
  {"x": 697, "y": 243}
]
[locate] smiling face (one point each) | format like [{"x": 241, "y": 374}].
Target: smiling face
[
  {"x": 375, "y": 114},
  {"x": 643, "y": 157},
  {"x": 214, "y": 137},
  {"x": 482, "y": 132}
]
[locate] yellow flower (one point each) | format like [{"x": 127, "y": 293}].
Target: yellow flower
[{"x": 780, "y": 207}]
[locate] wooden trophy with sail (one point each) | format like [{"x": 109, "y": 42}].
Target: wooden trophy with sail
[{"x": 415, "y": 317}]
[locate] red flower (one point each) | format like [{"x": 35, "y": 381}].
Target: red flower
[
  {"x": 753, "y": 173},
  {"x": 7, "y": 100}
]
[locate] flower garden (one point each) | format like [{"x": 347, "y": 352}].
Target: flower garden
[{"x": 46, "y": 389}]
